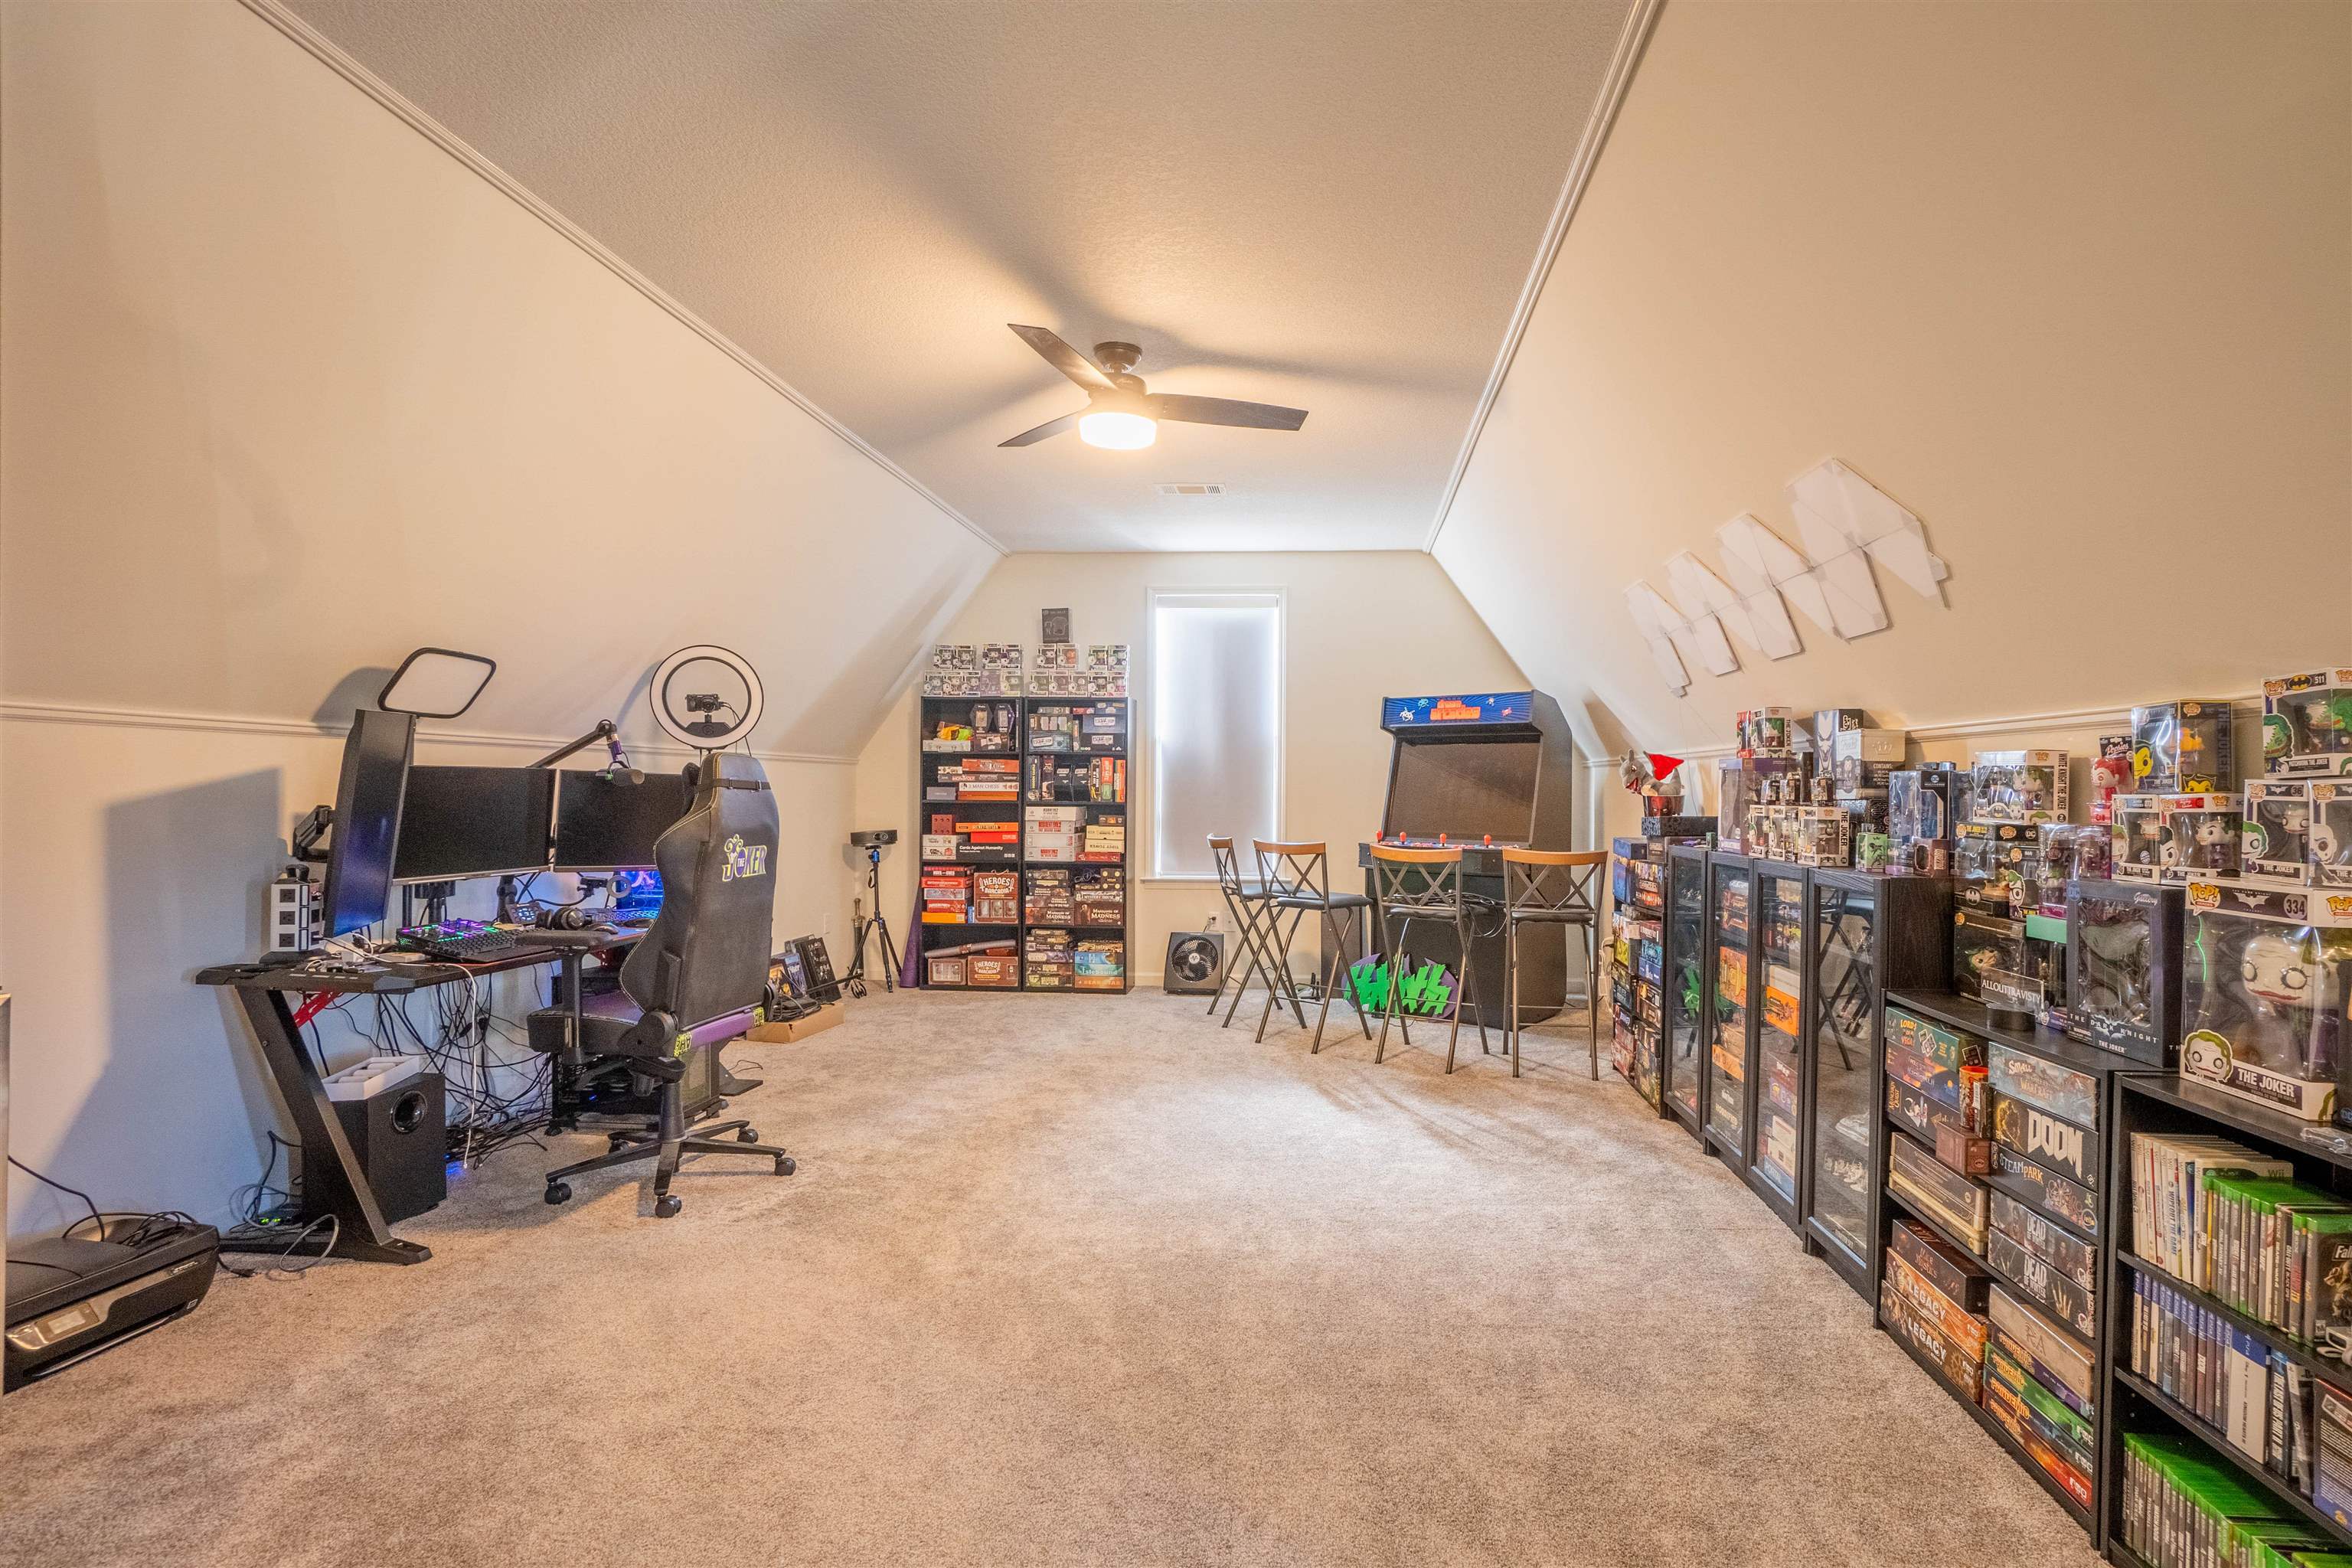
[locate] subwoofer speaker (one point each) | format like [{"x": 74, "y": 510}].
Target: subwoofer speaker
[
  {"x": 400, "y": 1137},
  {"x": 1195, "y": 965}
]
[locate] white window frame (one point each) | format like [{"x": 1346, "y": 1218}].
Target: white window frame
[{"x": 1176, "y": 596}]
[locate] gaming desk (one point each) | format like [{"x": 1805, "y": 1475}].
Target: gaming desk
[{"x": 332, "y": 1180}]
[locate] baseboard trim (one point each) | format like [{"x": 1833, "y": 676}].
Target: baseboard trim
[{"x": 21, "y": 713}]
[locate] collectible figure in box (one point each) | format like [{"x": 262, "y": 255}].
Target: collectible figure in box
[
  {"x": 2276, "y": 837},
  {"x": 2307, "y": 724},
  {"x": 2018, "y": 786},
  {"x": 2123, "y": 955},
  {"x": 2141, "y": 841},
  {"x": 1745, "y": 782},
  {"x": 1997, "y": 865},
  {"x": 2269, "y": 973},
  {"x": 2204, "y": 830},
  {"x": 1873, "y": 851},
  {"x": 1765, "y": 732},
  {"x": 2182, "y": 748},
  {"x": 1829, "y": 721},
  {"x": 1862, "y": 760},
  {"x": 2331, "y": 835},
  {"x": 2111, "y": 774},
  {"x": 1919, "y": 818},
  {"x": 2069, "y": 850},
  {"x": 1823, "y": 835},
  {"x": 1982, "y": 941}
]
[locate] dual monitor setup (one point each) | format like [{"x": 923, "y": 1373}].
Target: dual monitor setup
[{"x": 396, "y": 822}]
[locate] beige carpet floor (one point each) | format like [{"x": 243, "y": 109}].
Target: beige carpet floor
[{"x": 1061, "y": 1280}]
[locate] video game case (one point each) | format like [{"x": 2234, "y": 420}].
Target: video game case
[
  {"x": 2069, "y": 1203},
  {"x": 1950, "y": 1319},
  {"x": 2331, "y": 1488},
  {"x": 1952, "y": 1193},
  {"x": 1953, "y": 1366},
  {"x": 2042, "y": 1138},
  {"x": 2326, "y": 1311},
  {"x": 2053, "y": 1244},
  {"x": 2060, "y": 1296},
  {"x": 1957, "y": 1277}
]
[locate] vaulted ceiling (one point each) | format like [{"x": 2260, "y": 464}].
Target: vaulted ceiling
[{"x": 1334, "y": 206}]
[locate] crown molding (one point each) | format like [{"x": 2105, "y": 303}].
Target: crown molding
[
  {"x": 1630, "y": 42},
  {"x": 22, "y": 713},
  {"x": 332, "y": 56}
]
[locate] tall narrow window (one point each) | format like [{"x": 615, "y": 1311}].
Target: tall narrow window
[{"x": 1216, "y": 725}]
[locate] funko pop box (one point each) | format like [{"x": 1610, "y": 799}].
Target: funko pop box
[
  {"x": 2307, "y": 724},
  {"x": 2183, "y": 748},
  {"x": 2266, "y": 981}
]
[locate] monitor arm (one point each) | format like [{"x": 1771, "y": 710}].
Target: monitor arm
[
  {"x": 605, "y": 731},
  {"x": 310, "y": 830}
]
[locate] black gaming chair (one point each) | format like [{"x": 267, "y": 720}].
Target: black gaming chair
[{"x": 699, "y": 974}]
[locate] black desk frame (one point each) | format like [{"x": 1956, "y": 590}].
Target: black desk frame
[{"x": 334, "y": 1182}]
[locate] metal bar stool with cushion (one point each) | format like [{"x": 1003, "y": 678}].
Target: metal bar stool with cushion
[
  {"x": 1553, "y": 887},
  {"x": 1421, "y": 885},
  {"x": 1245, "y": 902},
  {"x": 1297, "y": 877}
]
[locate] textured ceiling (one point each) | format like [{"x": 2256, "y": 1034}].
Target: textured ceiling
[{"x": 1329, "y": 205}]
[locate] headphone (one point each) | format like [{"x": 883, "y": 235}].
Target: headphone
[{"x": 566, "y": 919}]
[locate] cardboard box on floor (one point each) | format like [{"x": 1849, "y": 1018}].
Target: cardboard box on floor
[{"x": 785, "y": 1030}]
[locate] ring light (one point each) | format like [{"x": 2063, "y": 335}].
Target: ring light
[{"x": 706, "y": 696}]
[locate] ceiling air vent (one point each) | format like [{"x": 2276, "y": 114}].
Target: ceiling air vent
[{"x": 1192, "y": 487}]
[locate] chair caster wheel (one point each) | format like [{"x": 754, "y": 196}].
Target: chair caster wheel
[
  {"x": 559, "y": 1192},
  {"x": 747, "y": 1135},
  {"x": 665, "y": 1206},
  {"x": 784, "y": 1166},
  {"x": 614, "y": 1143}
]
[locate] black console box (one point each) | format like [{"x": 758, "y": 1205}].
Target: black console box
[{"x": 69, "y": 1299}]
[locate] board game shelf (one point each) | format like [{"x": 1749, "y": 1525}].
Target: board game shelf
[{"x": 1045, "y": 747}]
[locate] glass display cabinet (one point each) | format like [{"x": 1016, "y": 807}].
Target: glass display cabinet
[
  {"x": 1683, "y": 989},
  {"x": 1866, "y": 933},
  {"x": 1777, "y": 958},
  {"x": 1728, "y": 1068}
]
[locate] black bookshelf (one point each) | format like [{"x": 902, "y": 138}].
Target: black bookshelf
[
  {"x": 1111, "y": 746},
  {"x": 2153, "y": 1102}
]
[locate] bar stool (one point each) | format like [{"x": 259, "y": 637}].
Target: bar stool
[
  {"x": 1297, "y": 877},
  {"x": 1553, "y": 887},
  {"x": 1245, "y": 903},
  {"x": 1421, "y": 885}
]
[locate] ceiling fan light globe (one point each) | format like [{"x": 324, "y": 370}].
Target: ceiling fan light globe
[{"x": 1118, "y": 431}]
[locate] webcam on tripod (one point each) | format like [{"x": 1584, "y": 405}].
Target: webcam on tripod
[{"x": 875, "y": 838}]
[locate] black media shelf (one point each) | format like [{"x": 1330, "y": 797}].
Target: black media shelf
[
  {"x": 2275, "y": 1339},
  {"x": 2205, "y": 1432}
]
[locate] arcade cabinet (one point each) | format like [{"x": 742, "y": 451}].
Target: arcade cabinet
[{"x": 1480, "y": 771}]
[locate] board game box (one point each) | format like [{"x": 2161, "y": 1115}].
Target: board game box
[
  {"x": 1963, "y": 1373},
  {"x": 2059, "y": 1422},
  {"x": 2069, "y": 1203},
  {"x": 2071, "y": 1255},
  {"x": 2062, "y": 1092},
  {"x": 2058, "y": 1359},
  {"x": 1962, "y": 1200},
  {"x": 2042, "y": 1138},
  {"x": 1955, "y": 1276},
  {"x": 2016, "y": 1418},
  {"x": 2059, "y": 1294}
]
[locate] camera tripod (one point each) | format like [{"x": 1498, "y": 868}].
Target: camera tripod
[{"x": 855, "y": 981}]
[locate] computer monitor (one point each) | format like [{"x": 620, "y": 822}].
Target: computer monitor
[
  {"x": 604, "y": 822},
  {"x": 474, "y": 822},
  {"x": 366, "y": 832}
]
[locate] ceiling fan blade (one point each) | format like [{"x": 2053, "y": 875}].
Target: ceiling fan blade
[
  {"x": 1224, "y": 411},
  {"x": 1051, "y": 427},
  {"x": 1063, "y": 358}
]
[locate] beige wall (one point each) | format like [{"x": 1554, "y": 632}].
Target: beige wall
[
  {"x": 1358, "y": 627},
  {"x": 289, "y": 390},
  {"x": 2072, "y": 282}
]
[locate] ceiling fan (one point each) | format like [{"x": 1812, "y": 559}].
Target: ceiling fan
[{"x": 1122, "y": 416}]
